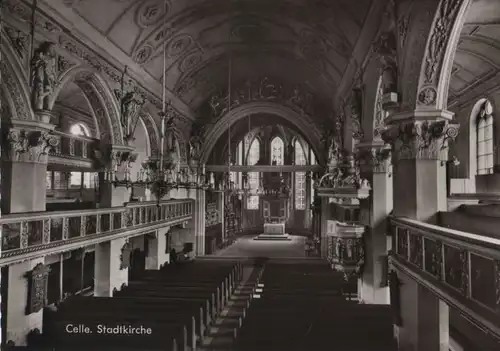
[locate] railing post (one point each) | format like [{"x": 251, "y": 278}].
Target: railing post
[{"x": 83, "y": 225}]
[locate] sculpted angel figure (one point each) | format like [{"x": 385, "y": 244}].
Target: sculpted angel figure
[{"x": 43, "y": 75}]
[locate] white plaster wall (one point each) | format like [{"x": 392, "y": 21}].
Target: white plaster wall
[
  {"x": 163, "y": 256},
  {"x": 18, "y": 323}
]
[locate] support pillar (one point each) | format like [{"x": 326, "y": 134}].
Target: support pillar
[
  {"x": 375, "y": 164},
  {"x": 23, "y": 178},
  {"x": 199, "y": 218},
  {"x": 102, "y": 270},
  {"x": 153, "y": 256},
  {"x": 419, "y": 143},
  {"x": 425, "y": 318},
  {"x": 111, "y": 266}
]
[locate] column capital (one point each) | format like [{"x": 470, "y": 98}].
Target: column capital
[
  {"x": 420, "y": 135},
  {"x": 374, "y": 156},
  {"x": 28, "y": 141}
]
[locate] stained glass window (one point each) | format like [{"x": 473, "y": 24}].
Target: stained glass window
[
  {"x": 253, "y": 177},
  {"x": 485, "y": 140},
  {"x": 300, "y": 178},
  {"x": 277, "y": 151}
]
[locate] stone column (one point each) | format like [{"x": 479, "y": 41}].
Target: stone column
[
  {"x": 222, "y": 214},
  {"x": 420, "y": 152},
  {"x": 112, "y": 260},
  {"x": 24, "y": 173},
  {"x": 102, "y": 270},
  {"x": 199, "y": 218},
  {"x": 307, "y": 211},
  {"x": 120, "y": 158},
  {"x": 419, "y": 142},
  {"x": 425, "y": 318},
  {"x": 152, "y": 258},
  {"x": 375, "y": 164},
  {"x": 24, "y": 165}
]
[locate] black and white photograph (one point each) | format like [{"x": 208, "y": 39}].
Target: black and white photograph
[{"x": 249, "y": 175}]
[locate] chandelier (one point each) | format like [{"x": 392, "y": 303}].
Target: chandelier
[{"x": 162, "y": 174}]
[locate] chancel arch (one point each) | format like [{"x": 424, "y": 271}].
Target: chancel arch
[{"x": 310, "y": 132}]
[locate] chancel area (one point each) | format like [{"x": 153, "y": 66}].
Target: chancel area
[{"x": 250, "y": 175}]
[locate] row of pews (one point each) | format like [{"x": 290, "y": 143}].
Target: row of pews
[
  {"x": 301, "y": 307},
  {"x": 169, "y": 309}
]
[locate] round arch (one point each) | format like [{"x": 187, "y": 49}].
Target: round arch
[
  {"x": 151, "y": 131},
  {"x": 100, "y": 98},
  {"x": 302, "y": 122},
  {"x": 14, "y": 88}
]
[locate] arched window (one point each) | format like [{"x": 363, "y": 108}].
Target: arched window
[
  {"x": 300, "y": 178},
  {"x": 485, "y": 139},
  {"x": 277, "y": 151},
  {"x": 253, "y": 177},
  {"x": 79, "y": 129}
]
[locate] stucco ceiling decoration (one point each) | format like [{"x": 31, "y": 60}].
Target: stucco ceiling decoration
[
  {"x": 313, "y": 38},
  {"x": 477, "y": 59}
]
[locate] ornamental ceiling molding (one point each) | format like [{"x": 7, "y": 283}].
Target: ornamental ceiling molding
[
  {"x": 308, "y": 129},
  {"x": 190, "y": 16},
  {"x": 52, "y": 31}
]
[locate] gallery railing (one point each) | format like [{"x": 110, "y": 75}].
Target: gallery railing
[
  {"x": 35, "y": 231},
  {"x": 462, "y": 268},
  {"x": 74, "y": 146}
]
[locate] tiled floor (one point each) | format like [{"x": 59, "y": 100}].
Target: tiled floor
[{"x": 247, "y": 247}]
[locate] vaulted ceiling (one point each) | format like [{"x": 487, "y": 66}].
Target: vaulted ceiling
[
  {"x": 291, "y": 42},
  {"x": 477, "y": 60}
]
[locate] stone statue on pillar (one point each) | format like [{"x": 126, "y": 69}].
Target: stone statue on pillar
[
  {"x": 385, "y": 47},
  {"x": 43, "y": 75}
]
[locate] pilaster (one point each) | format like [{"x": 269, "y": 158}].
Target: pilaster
[
  {"x": 375, "y": 161},
  {"x": 199, "y": 217}
]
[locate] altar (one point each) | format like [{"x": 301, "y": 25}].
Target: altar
[{"x": 274, "y": 228}]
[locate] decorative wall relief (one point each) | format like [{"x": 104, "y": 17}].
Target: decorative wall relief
[
  {"x": 441, "y": 31},
  {"x": 19, "y": 41},
  {"x": 38, "y": 279},
  {"x": 298, "y": 97}
]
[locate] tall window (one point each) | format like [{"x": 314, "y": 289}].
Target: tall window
[
  {"x": 237, "y": 176},
  {"x": 277, "y": 151},
  {"x": 253, "y": 177},
  {"x": 485, "y": 139},
  {"x": 300, "y": 178}
]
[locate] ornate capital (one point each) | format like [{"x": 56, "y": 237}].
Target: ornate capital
[
  {"x": 420, "y": 139},
  {"x": 374, "y": 159},
  {"x": 22, "y": 145}
]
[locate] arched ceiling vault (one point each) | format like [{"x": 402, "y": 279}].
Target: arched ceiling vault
[
  {"x": 477, "y": 59},
  {"x": 292, "y": 41}
]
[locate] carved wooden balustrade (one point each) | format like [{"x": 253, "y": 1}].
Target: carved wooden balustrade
[
  {"x": 461, "y": 268},
  {"x": 72, "y": 148},
  {"x": 32, "y": 233}
]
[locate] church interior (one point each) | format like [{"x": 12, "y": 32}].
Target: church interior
[{"x": 250, "y": 175}]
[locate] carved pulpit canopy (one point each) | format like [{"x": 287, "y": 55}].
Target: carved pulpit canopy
[
  {"x": 37, "y": 288},
  {"x": 342, "y": 178}
]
